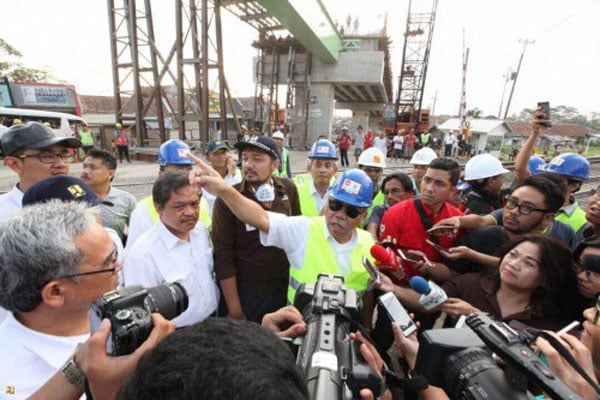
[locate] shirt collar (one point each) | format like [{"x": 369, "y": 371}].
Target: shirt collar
[
  {"x": 167, "y": 236},
  {"x": 570, "y": 209},
  {"x": 353, "y": 240}
]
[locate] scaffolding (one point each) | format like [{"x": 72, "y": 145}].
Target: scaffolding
[
  {"x": 147, "y": 82},
  {"x": 415, "y": 59}
]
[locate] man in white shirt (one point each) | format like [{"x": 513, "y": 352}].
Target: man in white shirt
[
  {"x": 449, "y": 141},
  {"x": 57, "y": 259},
  {"x": 99, "y": 168},
  {"x": 34, "y": 153},
  {"x": 332, "y": 243},
  {"x": 171, "y": 157},
  {"x": 176, "y": 248},
  {"x": 381, "y": 142}
]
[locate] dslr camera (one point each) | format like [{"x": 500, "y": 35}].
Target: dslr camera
[
  {"x": 460, "y": 362},
  {"x": 331, "y": 362},
  {"x": 129, "y": 309}
]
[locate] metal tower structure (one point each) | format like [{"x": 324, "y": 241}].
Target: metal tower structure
[
  {"x": 415, "y": 58},
  {"x": 144, "y": 77}
]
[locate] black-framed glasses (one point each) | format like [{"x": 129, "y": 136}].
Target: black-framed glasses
[
  {"x": 350, "y": 210},
  {"x": 524, "y": 208},
  {"x": 50, "y": 158},
  {"x": 112, "y": 260},
  {"x": 375, "y": 170}
]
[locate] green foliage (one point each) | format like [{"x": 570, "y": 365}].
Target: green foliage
[
  {"x": 15, "y": 70},
  {"x": 564, "y": 114}
]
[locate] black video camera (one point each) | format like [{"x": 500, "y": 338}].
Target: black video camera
[
  {"x": 331, "y": 362},
  {"x": 457, "y": 361},
  {"x": 129, "y": 309}
]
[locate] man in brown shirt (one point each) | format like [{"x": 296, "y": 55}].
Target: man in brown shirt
[{"x": 253, "y": 278}]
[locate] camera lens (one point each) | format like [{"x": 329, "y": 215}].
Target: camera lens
[
  {"x": 472, "y": 370},
  {"x": 168, "y": 299}
]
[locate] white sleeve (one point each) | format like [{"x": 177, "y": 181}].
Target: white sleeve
[
  {"x": 234, "y": 179},
  {"x": 289, "y": 234},
  {"x": 139, "y": 222}
]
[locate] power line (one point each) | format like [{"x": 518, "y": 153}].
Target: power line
[{"x": 568, "y": 17}]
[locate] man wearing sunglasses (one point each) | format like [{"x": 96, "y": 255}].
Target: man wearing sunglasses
[
  {"x": 56, "y": 260},
  {"x": 331, "y": 243},
  {"x": 34, "y": 153},
  {"x": 587, "y": 267}
]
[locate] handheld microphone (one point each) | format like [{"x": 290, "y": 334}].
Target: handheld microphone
[
  {"x": 431, "y": 294},
  {"x": 385, "y": 256}
]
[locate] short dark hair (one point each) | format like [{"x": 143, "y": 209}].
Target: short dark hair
[
  {"x": 220, "y": 358},
  {"x": 108, "y": 159},
  {"x": 401, "y": 177},
  {"x": 447, "y": 164},
  {"x": 166, "y": 184},
  {"x": 554, "y": 197}
]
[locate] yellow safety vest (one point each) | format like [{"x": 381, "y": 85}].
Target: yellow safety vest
[
  {"x": 575, "y": 221},
  {"x": 283, "y": 167},
  {"x": 319, "y": 258},
  {"x": 308, "y": 206},
  {"x": 379, "y": 200},
  {"x": 86, "y": 137},
  {"x": 300, "y": 179},
  {"x": 203, "y": 206}
]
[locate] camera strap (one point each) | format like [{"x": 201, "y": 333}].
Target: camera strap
[
  {"x": 412, "y": 383},
  {"x": 425, "y": 220},
  {"x": 566, "y": 354}
]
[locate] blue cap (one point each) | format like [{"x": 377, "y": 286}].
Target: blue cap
[
  {"x": 65, "y": 188},
  {"x": 215, "y": 145}
]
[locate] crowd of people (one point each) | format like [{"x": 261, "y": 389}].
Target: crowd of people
[{"x": 241, "y": 239}]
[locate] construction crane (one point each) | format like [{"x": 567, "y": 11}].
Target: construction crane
[{"x": 406, "y": 113}]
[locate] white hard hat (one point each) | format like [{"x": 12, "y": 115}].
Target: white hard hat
[
  {"x": 277, "y": 135},
  {"x": 372, "y": 157},
  {"x": 423, "y": 156},
  {"x": 483, "y": 166}
]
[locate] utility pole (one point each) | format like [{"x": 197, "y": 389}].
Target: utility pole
[
  {"x": 507, "y": 78},
  {"x": 434, "y": 103},
  {"x": 512, "y": 90}
]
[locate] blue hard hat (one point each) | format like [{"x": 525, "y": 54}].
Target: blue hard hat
[
  {"x": 173, "y": 152},
  {"x": 323, "y": 149},
  {"x": 536, "y": 165},
  {"x": 570, "y": 165},
  {"x": 353, "y": 187}
]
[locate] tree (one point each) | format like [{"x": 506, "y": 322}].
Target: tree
[
  {"x": 564, "y": 114},
  {"x": 474, "y": 113},
  {"x": 16, "y": 70}
]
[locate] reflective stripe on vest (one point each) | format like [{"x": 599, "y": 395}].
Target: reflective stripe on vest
[
  {"x": 575, "y": 221},
  {"x": 282, "y": 170},
  {"x": 202, "y": 215},
  {"x": 320, "y": 258}
]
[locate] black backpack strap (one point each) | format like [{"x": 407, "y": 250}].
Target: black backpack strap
[{"x": 425, "y": 220}]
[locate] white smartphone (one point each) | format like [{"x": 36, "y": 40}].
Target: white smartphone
[{"x": 397, "y": 313}]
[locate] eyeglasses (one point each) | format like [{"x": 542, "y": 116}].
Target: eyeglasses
[
  {"x": 524, "y": 208},
  {"x": 393, "y": 191},
  {"x": 50, "y": 158},
  {"x": 589, "y": 275},
  {"x": 374, "y": 170},
  {"x": 351, "y": 211},
  {"x": 110, "y": 260}
]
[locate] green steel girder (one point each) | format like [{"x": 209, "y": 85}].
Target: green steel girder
[{"x": 311, "y": 25}]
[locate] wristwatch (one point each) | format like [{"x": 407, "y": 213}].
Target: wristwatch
[{"x": 73, "y": 374}]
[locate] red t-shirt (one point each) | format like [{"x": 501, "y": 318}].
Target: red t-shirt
[
  {"x": 409, "y": 140},
  {"x": 403, "y": 223},
  {"x": 345, "y": 141}
]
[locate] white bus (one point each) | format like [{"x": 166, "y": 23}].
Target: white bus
[{"x": 61, "y": 123}]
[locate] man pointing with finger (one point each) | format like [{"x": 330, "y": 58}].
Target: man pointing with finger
[{"x": 331, "y": 243}]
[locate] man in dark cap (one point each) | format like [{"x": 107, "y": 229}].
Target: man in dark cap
[
  {"x": 253, "y": 278},
  {"x": 35, "y": 153}
]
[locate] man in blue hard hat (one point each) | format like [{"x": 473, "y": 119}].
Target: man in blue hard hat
[
  {"x": 322, "y": 168},
  {"x": 171, "y": 157},
  {"x": 332, "y": 243}
]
